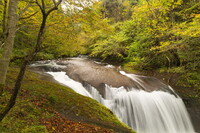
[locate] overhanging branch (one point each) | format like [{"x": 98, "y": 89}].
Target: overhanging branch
[{"x": 28, "y": 16}]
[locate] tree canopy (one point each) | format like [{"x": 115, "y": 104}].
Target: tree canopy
[{"x": 140, "y": 34}]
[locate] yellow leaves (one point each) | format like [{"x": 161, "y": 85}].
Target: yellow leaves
[
  {"x": 29, "y": 15},
  {"x": 197, "y": 15},
  {"x": 163, "y": 45},
  {"x": 60, "y": 124},
  {"x": 178, "y": 2},
  {"x": 53, "y": 128},
  {"x": 188, "y": 29}
]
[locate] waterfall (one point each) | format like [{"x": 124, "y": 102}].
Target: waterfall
[
  {"x": 142, "y": 107},
  {"x": 64, "y": 79},
  {"x": 155, "y": 112},
  {"x": 145, "y": 112}
]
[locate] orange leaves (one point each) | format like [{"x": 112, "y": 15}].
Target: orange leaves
[{"x": 59, "y": 124}]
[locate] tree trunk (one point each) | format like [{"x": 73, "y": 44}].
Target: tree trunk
[
  {"x": 4, "y": 18},
  {"x": 4, "y": 14},
  {"x": 28, "y": 59},
  {"x": 40, "y": 34},
  {"x": 9, "y": 40},
  {"x": 16, "y": 90}
]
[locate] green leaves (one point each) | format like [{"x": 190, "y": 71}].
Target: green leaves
[{"x": 158, "y": 35}]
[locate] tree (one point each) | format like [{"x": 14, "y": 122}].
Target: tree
[
  {"x": 45, "y": 13},
  {"x": 3, "y": 25},
  {"x": 9, "y": 41},
  {"x": 118, "y": 10}
]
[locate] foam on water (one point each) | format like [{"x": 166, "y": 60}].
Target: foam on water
[
  {"x": 64, "y": 79},
  {"x": 155, "y": 112}
]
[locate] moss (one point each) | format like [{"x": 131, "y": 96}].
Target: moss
[
  {"x": 24, "y": 117},
  {"x": 130, "y": 67},
  {"x": 190, "y": 79},
  {"x": 1, "y": 88},
  {"x": 186, "y": 78},
  {"x": 178, "y": 70},
  {"x": 37, "y": 96}
]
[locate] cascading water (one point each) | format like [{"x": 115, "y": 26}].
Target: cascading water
[
  {"x": 155, "y": 112},
  {"x": 146, "y": 112}
]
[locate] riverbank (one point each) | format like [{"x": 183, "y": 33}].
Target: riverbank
[{"x": 43, "y": 106}]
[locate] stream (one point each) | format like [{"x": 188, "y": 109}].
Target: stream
[{"x": 144, "y": 103}]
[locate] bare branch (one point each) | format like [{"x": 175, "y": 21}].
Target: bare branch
[
  {"x": 58, "y": 3},
  {"x": 43, "y": 5},
  {"x": 41, "y": 9},
  {"x": 52, "y": 9},
  {"x": 28, "y": 16},
  {"x": 55, "y": 7},
  {"x": 54, "y": 2},
  {"x": 2, "y": 45}
]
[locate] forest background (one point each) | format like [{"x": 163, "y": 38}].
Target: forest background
[{"x": 161, "y": 35}]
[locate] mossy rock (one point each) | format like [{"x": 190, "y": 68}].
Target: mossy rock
[{"x": 37, "y": 96}]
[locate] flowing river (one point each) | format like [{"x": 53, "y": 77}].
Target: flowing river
[{"x": 144, "y": 103}]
